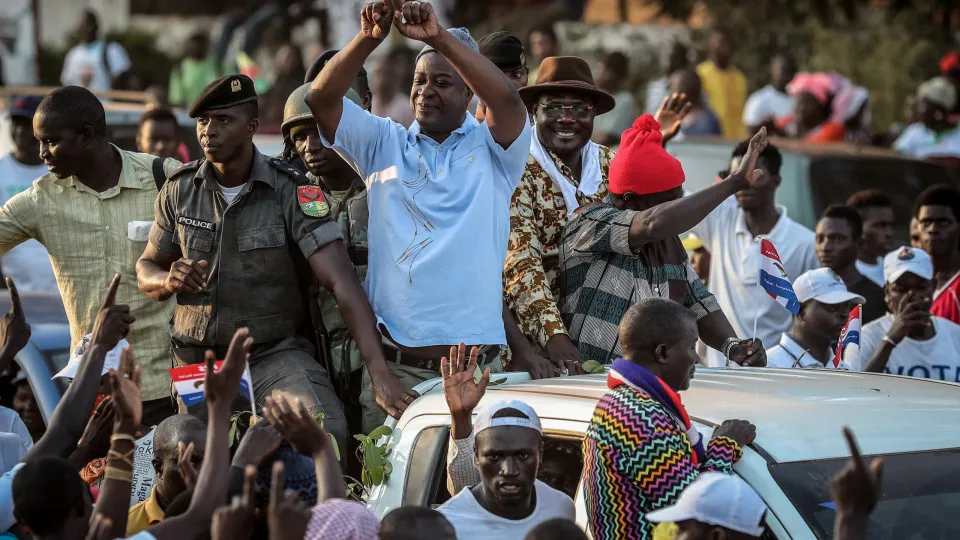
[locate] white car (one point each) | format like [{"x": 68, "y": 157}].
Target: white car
[{"x": 799, "y": 414}]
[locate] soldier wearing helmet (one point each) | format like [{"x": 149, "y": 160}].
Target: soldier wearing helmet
[{"x": 345, "y": 192}]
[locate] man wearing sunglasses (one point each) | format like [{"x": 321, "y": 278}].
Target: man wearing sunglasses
[{"x": 565, "y": 170}]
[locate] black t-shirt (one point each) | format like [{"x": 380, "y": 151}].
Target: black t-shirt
[{"x": 875, "y": 306}]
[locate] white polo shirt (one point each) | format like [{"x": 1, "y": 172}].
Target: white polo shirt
[
  {"x": 789, "y": 354},
  {"x": 735, "y": 268}
]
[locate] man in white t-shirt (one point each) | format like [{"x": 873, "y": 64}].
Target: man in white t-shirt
[
  {"x": 93, "y": 63},
  {"x": 27, "y": 264},
  {"x": 493, "y": 463},
  {"x": 909, "y": 340},
  {"x": 509, "y": 501},
  {"x": 731, "y": 235},
  {"x": 772, "y": 101},
  {"x": 825, "y": 304}
]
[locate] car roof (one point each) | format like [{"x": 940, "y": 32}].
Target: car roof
[{"x": 799, "y": 413}]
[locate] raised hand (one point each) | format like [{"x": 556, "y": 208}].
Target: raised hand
[
  {"x": 221, "y": 387},
  {"x": 747, "y": 169},
  {"x": 462, "y": 392},
  {"x": 292, "y": 419},
  {"x": 671, "y": 113},
  {"x": 96, "y": 436},
  {"x": 416, "y": 20},
  {"x": 113, "y": 320},
  {"x": 913, "y": 313},
  {"x": 257, "y": 445},
  {"x": 125, "y": 385},
  {"x": 235, "y": 522},
  {"x": 14, "y": 330},
  {"x": 375, "y": 20},
  {"x": 856, "y": 488},
  {"x": 185, "y": 464},
  {"x": 186, "y": 276},
  {"x": 287, "y": 515}
]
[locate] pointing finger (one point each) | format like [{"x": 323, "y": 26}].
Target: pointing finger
[
  {"x": 15, "y": 307},
  {"x": 111, "y": 296},
  {"x": 277, "y": 483},
  {"x": 249, "y": 493}
]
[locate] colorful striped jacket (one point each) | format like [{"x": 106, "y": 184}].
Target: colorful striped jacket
[{"x": 637, "y": 459}]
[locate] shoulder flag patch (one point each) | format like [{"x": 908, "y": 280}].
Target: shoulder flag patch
[{"x": 312, "y": 201}]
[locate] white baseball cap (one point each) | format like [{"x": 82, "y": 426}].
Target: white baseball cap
[
  {"x": 112, "y": 360},
  {"x": 824, "y": 286},
  {"x": 717, "y": 499},
  {"x": 485, "y": 419},
  {"x": 907, "y": 259}
]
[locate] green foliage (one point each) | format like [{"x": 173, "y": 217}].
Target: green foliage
[
  {"x": 592, "y": 366},
  {"x": 376, "y": 467}
]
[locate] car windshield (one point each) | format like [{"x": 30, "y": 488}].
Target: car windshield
[
  {"x": 833, "y": 179},
  {"x": 920, "y": 497}
]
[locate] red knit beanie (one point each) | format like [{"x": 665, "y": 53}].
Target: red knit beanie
[{"x": 641, "y": 165}]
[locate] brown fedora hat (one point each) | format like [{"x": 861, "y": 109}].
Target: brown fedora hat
[{"x": 566, "y": 74}]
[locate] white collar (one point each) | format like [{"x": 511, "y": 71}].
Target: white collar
[
  {"x": 741, "y": 226},
  {"x": 801, "y": 357}
]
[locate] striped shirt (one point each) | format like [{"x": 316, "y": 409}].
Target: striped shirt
[
  {"x": 90, "y": 237},
  {"x": 602, "y": 276}
]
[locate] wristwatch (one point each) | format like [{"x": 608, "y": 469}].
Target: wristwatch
[{"x": 727, "y": 345}]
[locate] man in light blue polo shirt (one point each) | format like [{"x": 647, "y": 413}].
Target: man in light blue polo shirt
[{"x": 439, "y": 192}]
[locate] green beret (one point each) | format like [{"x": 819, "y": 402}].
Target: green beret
[{"x": 224, "y": 92}]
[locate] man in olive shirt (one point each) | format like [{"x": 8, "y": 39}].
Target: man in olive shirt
[
  {"x": 236, "y": 237},
  {"x": 92, "y": 213}
]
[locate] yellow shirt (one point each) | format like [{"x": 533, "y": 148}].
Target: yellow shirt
[
  {"x": 141, "y": 516},
  {"x": 727, "y": 91},
  {"x": 87, "y": 237}
]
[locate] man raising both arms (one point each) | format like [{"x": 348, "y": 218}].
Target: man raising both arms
[{"x": 438, "y": 193}]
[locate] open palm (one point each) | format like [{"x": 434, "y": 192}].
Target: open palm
[
  {"x": 671, "y": 113},
  {"x": 125, "y": 383},
  {"x": 462, "y": 392},
  {"x": 748, "y": 165}
]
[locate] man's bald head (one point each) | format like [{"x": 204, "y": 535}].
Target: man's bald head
[
  {"x": 176, "y": 428},
  {"x": 652, "y": 322}
]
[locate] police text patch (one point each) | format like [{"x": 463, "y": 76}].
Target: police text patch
[{"x": 194, "y": 222}]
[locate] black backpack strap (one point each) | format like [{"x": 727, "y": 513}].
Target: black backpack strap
[{"x": 159, "y": 177}]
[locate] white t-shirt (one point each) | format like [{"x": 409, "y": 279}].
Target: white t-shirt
[
  {"x": 873, "y": 272},
  {"x": 764, "y": 103},
  {"x": 230, "y": 193},
  {"x": 27, "y": 264},
  {"x": 473, "y": 522},
  {"x": 84, "y": 65},
  {"x": 922, "y": 142},
  {"x": 734, "y": 270},
  {"x": 935, "y": 358}
]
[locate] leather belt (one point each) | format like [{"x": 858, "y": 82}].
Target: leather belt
[{"x": 394, "y": 354}]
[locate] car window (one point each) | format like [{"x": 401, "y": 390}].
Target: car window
[
  {"x": 920, "y": 498},
  {"x": 833, "y": 179}
]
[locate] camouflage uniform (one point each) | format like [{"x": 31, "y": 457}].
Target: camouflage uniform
[
  {"x": 351, "y": 214},
  {"x": 531, "y": 274}
]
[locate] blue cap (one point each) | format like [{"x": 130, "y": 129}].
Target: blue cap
[
  {"x": 462, "y": 35},
  {"x": 24, "y": 106}
]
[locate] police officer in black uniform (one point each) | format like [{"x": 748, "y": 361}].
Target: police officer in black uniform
[{"x": 236, "y": 238}]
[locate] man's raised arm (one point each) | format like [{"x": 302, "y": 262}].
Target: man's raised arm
[
  {"x": 506, "y": 114},
  {"x": 325, "y": 97}
]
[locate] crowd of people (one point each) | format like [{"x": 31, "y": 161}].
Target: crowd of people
[{"x": 493, "y": 228}]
